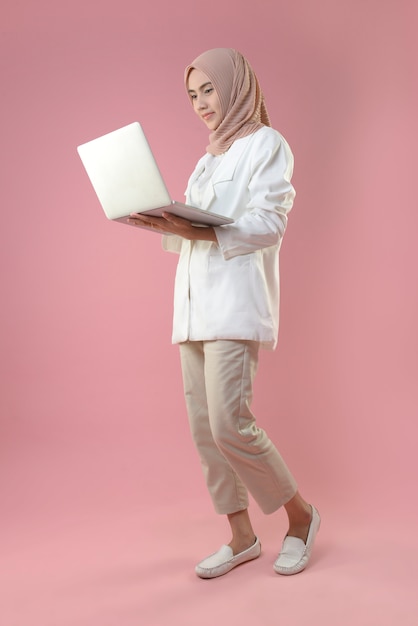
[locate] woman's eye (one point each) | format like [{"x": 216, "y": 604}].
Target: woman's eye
[{"x": 209, "y": 90}]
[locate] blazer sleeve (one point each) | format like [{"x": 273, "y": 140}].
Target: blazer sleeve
[{"x": 271, "y": 196}]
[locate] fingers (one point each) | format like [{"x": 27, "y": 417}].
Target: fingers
[
  {"x": 166, "y": 217},
  {"x": 145, "y": 223},
  {"x": 175, "y": 219},
  {"x": 167, "y": 223},
  {"x": 147, "y": 220}
]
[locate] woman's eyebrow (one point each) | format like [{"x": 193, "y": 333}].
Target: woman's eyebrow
[{"x": 200, "y": 88}]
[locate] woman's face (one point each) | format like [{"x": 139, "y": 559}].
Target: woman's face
[{"x": 204, "y": 99}]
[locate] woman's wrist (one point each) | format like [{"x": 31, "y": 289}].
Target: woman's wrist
[{"x": 206, "y": 234}]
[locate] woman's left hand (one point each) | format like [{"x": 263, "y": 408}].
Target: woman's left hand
[{"x": 174, "y": 225}]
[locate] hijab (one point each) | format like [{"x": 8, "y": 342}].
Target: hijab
[{"x": 242, "y": 102}]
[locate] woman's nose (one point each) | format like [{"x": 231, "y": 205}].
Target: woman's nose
[{"x": 200, "y": 104}]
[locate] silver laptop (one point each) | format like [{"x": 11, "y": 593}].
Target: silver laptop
[{"x": 126, "y": 178}]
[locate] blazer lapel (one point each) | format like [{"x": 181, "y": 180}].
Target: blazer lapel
[
  {"x": 223, "y": 173},
  {"x": 226, "y": 169}
]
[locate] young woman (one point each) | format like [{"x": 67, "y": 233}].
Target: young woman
[{"x": 226, "y": 306}]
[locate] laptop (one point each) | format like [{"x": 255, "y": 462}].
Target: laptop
[{"x": 126, "y": 178}]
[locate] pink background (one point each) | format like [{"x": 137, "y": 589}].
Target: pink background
[{"x": 103, "y": 508}]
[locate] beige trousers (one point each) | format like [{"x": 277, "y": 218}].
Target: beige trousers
[{"x": 236, "y": 455}]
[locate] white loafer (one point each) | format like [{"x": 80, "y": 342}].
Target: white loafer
[
  {"x": 295, "y": 554},
  {"x": 223, "y": 561}
]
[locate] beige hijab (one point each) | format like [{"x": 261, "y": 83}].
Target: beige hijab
[{"x": 242, "y": 103}]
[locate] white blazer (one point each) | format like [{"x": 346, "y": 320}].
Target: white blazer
[{"x": 231, "y": 290}]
